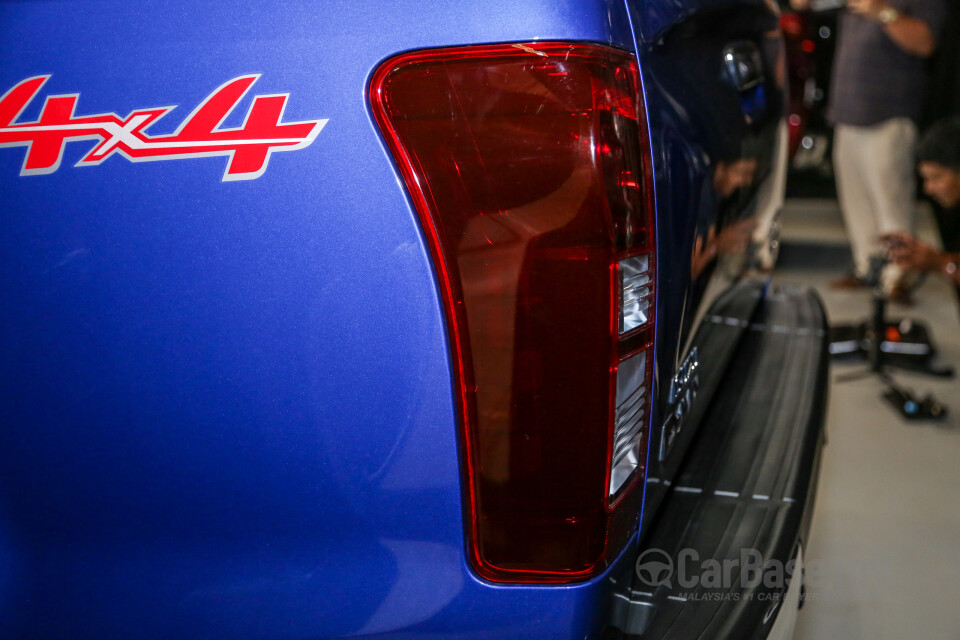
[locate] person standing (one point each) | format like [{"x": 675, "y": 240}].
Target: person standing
[{"x": 879, "y": 81}]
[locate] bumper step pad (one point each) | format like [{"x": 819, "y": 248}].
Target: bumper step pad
[{"x": 742, "y": 500}]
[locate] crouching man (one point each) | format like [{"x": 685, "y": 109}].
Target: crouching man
[{"x": 938, "y": 158}]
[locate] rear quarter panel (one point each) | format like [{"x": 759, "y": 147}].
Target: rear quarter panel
[{"x": 226, "y": 406}]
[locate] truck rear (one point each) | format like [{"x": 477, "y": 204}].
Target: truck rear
[{"x": 401, "y": 320}]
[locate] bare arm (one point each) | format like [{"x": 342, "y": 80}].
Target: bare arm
[
  {"x": 948, "y": 266},
  {"x": 908, "y": 252},
  {"x": 910, "y": 34}
]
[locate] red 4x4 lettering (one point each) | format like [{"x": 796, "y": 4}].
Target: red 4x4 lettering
[{"x": 199, "y": 135}]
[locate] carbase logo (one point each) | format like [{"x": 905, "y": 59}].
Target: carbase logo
[{"x": 656, "y": 568}]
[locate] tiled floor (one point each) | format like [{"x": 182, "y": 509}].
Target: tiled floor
[{"x": 884, "y": 552}]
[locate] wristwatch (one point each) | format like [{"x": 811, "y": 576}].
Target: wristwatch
[
  {"x": 950, "y": 268},
  {"x": 888, "y": 14}
]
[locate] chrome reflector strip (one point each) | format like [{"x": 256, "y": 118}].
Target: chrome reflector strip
[
  {"x": 636, "y": 292},
  {"x": 630, "y": 421}
]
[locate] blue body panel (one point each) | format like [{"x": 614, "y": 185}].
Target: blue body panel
[
  {"x": 226, "y": 407},
  {"x": 218, "y": 398}
]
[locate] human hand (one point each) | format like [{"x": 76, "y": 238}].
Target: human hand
[
  {"x": 909, "y": 253},
  {"x": 736, "y": 238},
  {"x": 867, "y": 8}
]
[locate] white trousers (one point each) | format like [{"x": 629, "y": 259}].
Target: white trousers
[{"x": 876, "y": 185}]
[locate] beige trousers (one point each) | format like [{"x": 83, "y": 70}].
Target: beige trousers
[{"x": 876, "y": 185}]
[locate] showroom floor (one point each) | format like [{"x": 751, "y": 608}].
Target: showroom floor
[{"x": 884, "y": 551}]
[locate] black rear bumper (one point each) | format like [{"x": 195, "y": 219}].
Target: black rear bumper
[{"x": 746, "y": 486}]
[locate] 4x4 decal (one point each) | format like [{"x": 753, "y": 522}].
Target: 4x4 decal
[{"x": 199, "y": 135}]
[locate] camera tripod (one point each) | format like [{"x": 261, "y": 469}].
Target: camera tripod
[{"x": 904, "y": 344}]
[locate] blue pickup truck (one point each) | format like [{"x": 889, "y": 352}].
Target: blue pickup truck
[{"x": 408, "y": 320}]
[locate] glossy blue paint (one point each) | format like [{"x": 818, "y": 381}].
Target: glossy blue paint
[{"x": 226, "y": 408}]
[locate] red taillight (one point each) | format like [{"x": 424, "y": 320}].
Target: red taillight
[
  {"x": 528, "y": 166},
  {"x": 792, "y": 24}
]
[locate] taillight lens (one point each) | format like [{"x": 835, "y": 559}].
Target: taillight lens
[{"x": 528, "y": 166}]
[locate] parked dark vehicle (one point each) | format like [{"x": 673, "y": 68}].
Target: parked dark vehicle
[{"x": 411, "y": 320}]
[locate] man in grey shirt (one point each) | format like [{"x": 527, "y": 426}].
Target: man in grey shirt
[{"x": 876, "y": 98}]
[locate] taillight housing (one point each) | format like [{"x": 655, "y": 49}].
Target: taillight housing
[{"x": 528, "y": 165}]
